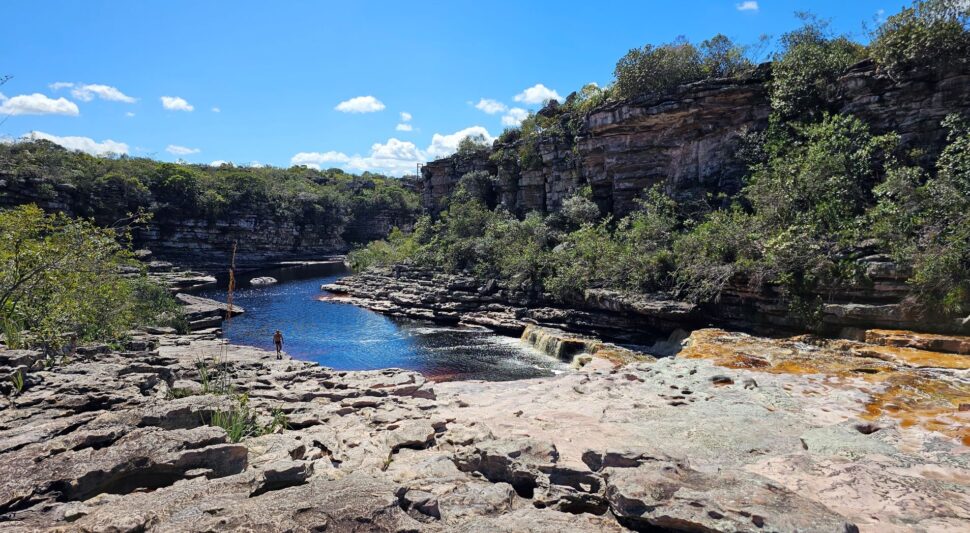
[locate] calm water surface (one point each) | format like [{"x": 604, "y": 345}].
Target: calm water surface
[{"x": 346, "y": 337}]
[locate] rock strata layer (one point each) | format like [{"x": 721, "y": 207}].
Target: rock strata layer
[{"x": 736, "y": 433}]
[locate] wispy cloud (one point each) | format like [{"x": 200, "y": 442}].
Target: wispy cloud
[
  {"x": 175, "y": 149},
  {"x": 360, "y": 104},
  {"x": 405, "y": 116},
  {"x": 403, "y": 127},
  {"x": 748, "y": 5},
  {"x": 216, "y": 110},
  {"x": 88, "y": 92}
]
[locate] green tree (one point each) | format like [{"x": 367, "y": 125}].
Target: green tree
[
  {"x": 62, "y": 275},
  {"x": 930, "y": 34},
  {"x": 810, "y": 61}
]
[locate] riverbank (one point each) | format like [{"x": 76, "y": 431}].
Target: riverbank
[{"x": 734, "y": 433}]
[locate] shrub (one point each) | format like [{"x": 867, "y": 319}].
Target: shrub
[
  {"x": 722, "y": 58},
  {"x": 925, "y": 219},
  {"x": 930, "y": 34},
  {"x": 811, "y": 59},
  {"x": 472, "y": 144},
  {"x": 59, "y": 274},
  {"x": 714, "y": 252},
  {"x": 821, "y": 175},
  {"x": 657, "y": 70},
  {"x": 579, "y": 209}
]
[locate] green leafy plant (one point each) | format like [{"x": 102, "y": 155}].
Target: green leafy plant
[
  {"x": 13, "y": 335},
  {"x": 17, "y": 380}
]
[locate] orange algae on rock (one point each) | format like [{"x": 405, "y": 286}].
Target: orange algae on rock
[
  {"x": 957, "y": 344},
  {"x": 916, "y": 387}
]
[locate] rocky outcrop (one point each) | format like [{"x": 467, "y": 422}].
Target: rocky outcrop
[
  {"x": 460, "y": 299},
  {"x": 424, "y": 293},
  {"x": 687, "y": 141},
  {"x": 202, "y": 313},
  {"x": 736, "y": 433}
]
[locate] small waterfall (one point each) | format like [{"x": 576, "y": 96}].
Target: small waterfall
[
  {"x": 577, "y": 350},
  {"x": 557, "y": 343}
]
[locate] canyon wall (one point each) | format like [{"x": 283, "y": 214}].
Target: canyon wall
[
  {"x": 687, "y": 141},
  {"x": 201, "y": 242}
]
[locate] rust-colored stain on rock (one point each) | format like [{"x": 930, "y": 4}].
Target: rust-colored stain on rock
[{"x": 915, "y": 387}]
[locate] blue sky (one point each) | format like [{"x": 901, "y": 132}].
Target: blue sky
[{"x": 264, "y": 82}]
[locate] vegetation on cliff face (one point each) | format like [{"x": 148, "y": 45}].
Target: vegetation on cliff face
[
  {"x": 108, "y": 188},
  {"x": 61, "y": 276},
  {"x": 821, "y": 191}
]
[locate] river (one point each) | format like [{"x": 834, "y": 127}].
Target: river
[{"x": 346, "y": 337}]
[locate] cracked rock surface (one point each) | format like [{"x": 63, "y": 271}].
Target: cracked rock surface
[{"x": 122, "y": 441}]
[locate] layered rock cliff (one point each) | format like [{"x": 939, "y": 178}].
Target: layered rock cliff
[
  {"x": 200, "y": 240},
  {"x": 687, "y": 141}
]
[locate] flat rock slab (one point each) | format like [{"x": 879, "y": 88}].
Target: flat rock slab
[{"x": 736, "y": 433}]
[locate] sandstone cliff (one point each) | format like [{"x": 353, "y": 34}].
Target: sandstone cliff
[{"x": 687, "y": 141}]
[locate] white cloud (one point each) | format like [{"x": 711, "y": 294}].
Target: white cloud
[
  {"x": 514, "y": 117},
  {"x": 216, "y": 110},
  {"x": 444, "y": 145},
  {"x": 395, "y": 157},
  {"x": 88, "y": 92},
  {"x": 318, "y": 159},
  {"x": 749, "y": 5},
  {"x": 537, "y": 94},
  {"x": 175, "y": 103},
  {"x": 175, "y": 149},
  {"x": 405, "y": 116},
  {"x": 255, "y": 164},
  {"x": 84, "y": 144},
  {"x": 129, "y": 114},
  {"x": 360, "y": 104},
  {"x": 58, "y": 85},
  {"x": 219, "y": 163},
  {"x": 36, "y": 104},
  {"x": 403, "y": 127},
  {"x": 490, "y": 106}
]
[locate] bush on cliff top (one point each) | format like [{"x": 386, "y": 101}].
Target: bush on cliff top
[
  {"x": 930, "y": 34},
  {"x": 810, "y": 60},
  {"x": 655, "y": 70}
]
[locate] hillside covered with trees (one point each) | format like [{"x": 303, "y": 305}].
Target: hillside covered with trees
[{"x": 820, "y": 190}]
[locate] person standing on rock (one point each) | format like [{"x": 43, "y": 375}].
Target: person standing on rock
[{"x": 278, "y": 341}]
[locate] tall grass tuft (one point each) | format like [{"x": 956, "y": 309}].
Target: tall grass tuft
[{"x": 18, "y": 382}]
